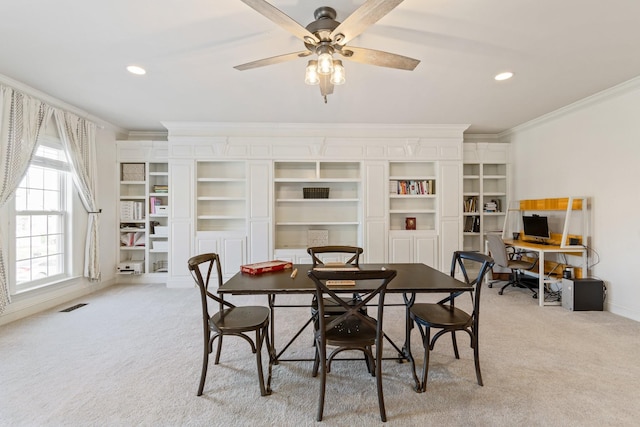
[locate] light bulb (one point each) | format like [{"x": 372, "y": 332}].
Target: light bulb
[
  {"x": 325, "y": 63},
  {"x": 338, "y": 75},
  {"x": 311, "y": 76}
]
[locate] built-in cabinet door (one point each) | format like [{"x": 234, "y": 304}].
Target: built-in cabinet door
[
  {"x": 401, "y": 249},
  {"x": 426, "y": 250},
  {"x": 413, "y": 248},
  {"x": 260, "y": 195},
  {"x": 450, "y": 178},
  {"x": 375, "y": 212},
  {"x": 230, "y": 247},
  {"x": 181, "y": 202}
]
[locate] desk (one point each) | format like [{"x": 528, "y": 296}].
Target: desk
[
  {"x": 541, "y": 250},
  {"x": 410, "y": 279}
]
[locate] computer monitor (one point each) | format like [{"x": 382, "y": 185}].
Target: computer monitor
[{"x": 536, "y": 226}]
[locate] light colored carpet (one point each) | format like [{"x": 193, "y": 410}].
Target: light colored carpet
[{"x": 132, "y": 356}]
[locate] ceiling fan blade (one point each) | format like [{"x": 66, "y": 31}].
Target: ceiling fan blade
[
  {"x": 326, "y": 87},
  {"x": 273, "y": 60},
  {"x": 276, "y": 15},
  {"x": 379, "y": 58},
  {"x": 365, "y": 16}
]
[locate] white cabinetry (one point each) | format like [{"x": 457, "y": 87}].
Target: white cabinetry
[
  {"x": 485, "y": 191},
  {"x": 316, "y": 196},
  {"x": 221, "y": 211},
  {"x": 143, "y": 203},
  {"x": 413, "y": 212}
]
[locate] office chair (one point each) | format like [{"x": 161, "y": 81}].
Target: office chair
[
  {"x": 504, "y": 257},
  {"x": 353, "y": 329},
  {"x": 229, "y": 320},
  {"x": 448, "y": 318}
]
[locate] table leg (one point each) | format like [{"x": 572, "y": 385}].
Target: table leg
[
  {"x": 406, "y": 348},
  {"x": 272, "y": 350}
]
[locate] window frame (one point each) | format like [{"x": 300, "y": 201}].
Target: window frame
[{"x": 66, "y": 212}]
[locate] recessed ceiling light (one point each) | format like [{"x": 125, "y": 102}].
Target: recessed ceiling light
[
  {"x": 504, "y": 76},
  {"x": 134, "y": 69}
]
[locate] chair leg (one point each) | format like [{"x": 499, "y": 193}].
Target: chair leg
[
  {"x": 378, "y": 374},
  {"x": 425, "y": 364},
  {"x": 322, "y": 350},
  {"x": 476, "y": 358},
  {"x": 259, "y": 340},
  {"x": 371, "y": 364},
  {"x": 417, "y": 387},
  {"x": 455, "y": 344},
  {"x": 219, "y": 350},
  {"x": 205, "y": 364},
  {"x": 316, "y": 362},
  {"x": 271, "y": 358}
]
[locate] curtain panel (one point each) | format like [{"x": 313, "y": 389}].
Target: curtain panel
[
  {"x": 21, "y": 120},
  {"x": 78, "y": 138}
]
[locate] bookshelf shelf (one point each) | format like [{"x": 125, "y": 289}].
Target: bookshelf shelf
[
  {"x": 485, "y": 192},
  {"x": 138, "y": 200},
  {"x": 339, "y": 213}
]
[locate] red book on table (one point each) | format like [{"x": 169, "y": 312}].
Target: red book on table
[{"x": 264, "y": 267}]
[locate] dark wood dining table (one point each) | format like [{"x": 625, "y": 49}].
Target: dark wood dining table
[{"x": 411, "y": 279}]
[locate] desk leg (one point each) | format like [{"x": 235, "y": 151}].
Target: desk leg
[
  {"x": 406, "y": 348},
  {"x": 541, "y": 278}
]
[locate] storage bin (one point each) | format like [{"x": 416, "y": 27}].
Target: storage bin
[
  {"x": 161, "y": 230},
  {"x": 160, "y": 245},
  {"x": 315, "y": 192}
]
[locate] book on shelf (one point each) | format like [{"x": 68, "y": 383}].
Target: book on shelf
[
  {"x": 471, "y": 204},
  {"x": 154, "y": 202},
  {"x": 265, "y": 267},
  {"x": 160, "y": 188},
  {"x": 131, "y": 210},
  {"x": 133, "y": 238},
  {"x": 412, "y": 187}
]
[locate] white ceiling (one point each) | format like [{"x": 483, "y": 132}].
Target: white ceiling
[{"x": 560, "y": 51}]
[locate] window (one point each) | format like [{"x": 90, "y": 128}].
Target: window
[{"x": 41, "y": 216}]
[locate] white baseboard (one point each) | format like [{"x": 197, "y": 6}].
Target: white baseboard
[{"x": 35, "y": 302}]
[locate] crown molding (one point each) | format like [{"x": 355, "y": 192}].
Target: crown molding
[
  {"x": 56, "y": 103},
  {"x": 205, "y": 129},
  {"x": 612, "y": 92}
]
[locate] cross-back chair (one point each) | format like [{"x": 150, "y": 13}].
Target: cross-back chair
[
  {"x": 228, "y": 320},
  {"x": 448, "y": 318},
  {"x": 353, "y": 329}
]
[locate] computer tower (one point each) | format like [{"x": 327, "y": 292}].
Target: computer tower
[{"x": 583, "y": 294}]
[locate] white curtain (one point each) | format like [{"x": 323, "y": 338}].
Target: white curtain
[
  {"x": 78, "y": 138},
  {"x": 22, "y": 118}
]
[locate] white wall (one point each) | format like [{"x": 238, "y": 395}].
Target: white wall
[
  {"x": 38, "y": 300},
  {"x": 592, "y": 148}
]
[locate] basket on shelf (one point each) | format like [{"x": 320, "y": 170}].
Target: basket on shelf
[{"x": 315, "y": 192}]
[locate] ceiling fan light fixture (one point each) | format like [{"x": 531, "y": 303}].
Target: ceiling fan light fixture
[
  {"x": 325, "y": 60},
  {"x": 311, "y": 76},
  {"x": 338, "y": 75}
]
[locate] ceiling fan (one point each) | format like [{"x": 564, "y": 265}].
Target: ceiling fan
[{"x": 325, "y": 37}]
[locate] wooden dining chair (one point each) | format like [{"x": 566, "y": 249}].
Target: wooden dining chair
[
  {"x": 352, "y": 329},
  {"x": 320, "y": 256},
  {"x": 228, "y": 320},
  {"x": 450, "y": 319}
]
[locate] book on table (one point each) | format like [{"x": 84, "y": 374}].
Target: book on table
[{"x": 265, "y": 267}]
